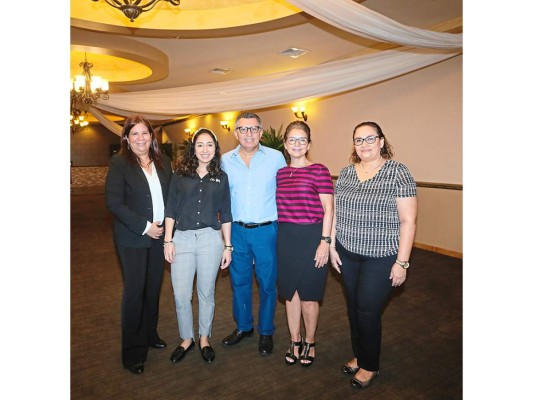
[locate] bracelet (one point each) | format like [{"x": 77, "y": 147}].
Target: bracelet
[
  {"x": 165, "y": 242},
  {"x": 403, "y": 264}
]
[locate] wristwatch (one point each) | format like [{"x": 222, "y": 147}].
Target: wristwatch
[
  {"x": 403, "y": 264},
  {"x": 230, "y": 248},
  {"x": 326, "y": 239}
]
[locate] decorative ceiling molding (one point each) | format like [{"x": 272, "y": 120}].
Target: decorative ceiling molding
[
  {"x": 285, "y": 22},
  {"x": 131, "y": 49},
  {"x": 189, "y": 15}
]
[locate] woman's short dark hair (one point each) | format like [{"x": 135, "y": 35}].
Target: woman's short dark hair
[
  {"x": 188, "y": 163},
  {"x": 154, "y": 152},
  {"x": 386, "y": 150}
]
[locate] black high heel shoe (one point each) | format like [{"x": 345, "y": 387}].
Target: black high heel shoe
[
  {"x": 349, "y": 370},
  {"x": 357, "y": 384},
  {"x": 290, "y": 354},
  {"x": 305, "y": 355}
]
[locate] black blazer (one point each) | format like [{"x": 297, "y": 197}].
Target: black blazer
[{"x": 129, "y": 200}]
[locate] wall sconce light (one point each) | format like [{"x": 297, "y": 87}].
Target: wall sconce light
[
  {"x": 299, "y": 112},
  {"x": 225, "y": 125},
  {"x": 188, "y": 131}
]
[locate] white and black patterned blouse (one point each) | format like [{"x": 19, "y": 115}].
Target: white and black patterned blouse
[{"x": 366, "y": 213}]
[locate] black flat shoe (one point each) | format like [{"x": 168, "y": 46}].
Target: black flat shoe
[
  {"x": 180, "y": 352},
  {"x": 290, "y": 357},
  {"x": 357, "y": 384},
  {"x": 208, "y": 354},
  {"x": 349, "y": 370},
  {"x": 137, "y": 368},
  {"x": 305, "y": 355},
  {"x": 266, "y": 345},
  {"x": 159, "y": 344},
  {"x": 236, "y": 336}
]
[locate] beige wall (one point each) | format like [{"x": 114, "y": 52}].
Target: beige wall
[
  {"x": 90, "y": 146},
  {"x": 421, "y": 115},
  {"x": 440, "y": 220}
]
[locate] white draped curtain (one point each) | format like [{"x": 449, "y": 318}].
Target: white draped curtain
[
  {"x": 425, "y": 48},
  {"x": 359, "y": 20}
]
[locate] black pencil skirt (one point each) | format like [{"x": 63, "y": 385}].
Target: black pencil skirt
[{"x": 296, "y": 248}]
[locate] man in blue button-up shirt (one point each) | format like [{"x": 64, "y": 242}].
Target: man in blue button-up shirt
[{"x": 252, "y": 169}]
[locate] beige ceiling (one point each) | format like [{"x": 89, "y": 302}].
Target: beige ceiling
[
  {"x": 179, "y": 46},
  {"x": 189, "y": 15},
  {"x": 190, "y": 19}
]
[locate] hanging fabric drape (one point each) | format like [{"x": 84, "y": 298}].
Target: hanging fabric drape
[
  {"x": 271, "y": 90},
  {"x": 359, "y": 20},
  {"x": 113, "y": 126},
  {"x": 326, "y": 79}
]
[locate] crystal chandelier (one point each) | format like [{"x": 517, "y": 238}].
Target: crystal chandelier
[
  {"x": 77, "y": 122},
  {"x": 85, "y": 91},
  {"x": 133, "y": 8}
]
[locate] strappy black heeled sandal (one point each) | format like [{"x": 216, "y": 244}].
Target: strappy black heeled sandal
[
  {"x": 290, "y": 354},
  {"x": 305, "y": 355}
]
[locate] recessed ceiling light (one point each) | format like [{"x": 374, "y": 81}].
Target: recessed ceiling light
[
  {"x": 220, "y": 71},
  {"x": 294, "y": 52}
]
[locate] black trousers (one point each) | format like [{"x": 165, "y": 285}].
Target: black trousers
[
  {"x": 367, "y": 286},
  {"x": 142, "y": 273}
]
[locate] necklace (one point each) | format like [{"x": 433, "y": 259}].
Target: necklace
[
  {"x": 145, "y": 166},
  {"x": 373, "y": 168},
  {"x": 292, "y": 169}
]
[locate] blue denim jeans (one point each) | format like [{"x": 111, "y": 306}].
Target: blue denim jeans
[{"x": 254, "y": 249}]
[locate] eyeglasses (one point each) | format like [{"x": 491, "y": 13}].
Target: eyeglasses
[
  {"x": 245, "y": 129},
  {"x": 301, "y": 140},
  {"x": 369, "y": 139}
]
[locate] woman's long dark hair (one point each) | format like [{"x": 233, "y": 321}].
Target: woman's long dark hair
[
  {"x": 386, "y": 150},
  {"x": 189, "y": 162},
  {"x": 154, "y": 151}
]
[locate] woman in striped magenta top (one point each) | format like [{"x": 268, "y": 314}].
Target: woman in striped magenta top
[{"x": 304, "y": 198}]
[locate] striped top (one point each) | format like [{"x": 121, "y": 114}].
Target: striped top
[
  {"x": 297, "y": 193},
  {"x": 367, "y": 220}
]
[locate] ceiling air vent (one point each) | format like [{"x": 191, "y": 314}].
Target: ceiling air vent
[{"x": 294, "y": 52}]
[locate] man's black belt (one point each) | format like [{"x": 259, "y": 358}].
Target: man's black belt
[{"x": 251, "y": 226}]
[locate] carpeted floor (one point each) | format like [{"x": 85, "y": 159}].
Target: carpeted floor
[{"x": 421, "y": 349}]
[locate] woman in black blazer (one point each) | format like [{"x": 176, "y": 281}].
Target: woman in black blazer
[{"x": 136, "y": 191}]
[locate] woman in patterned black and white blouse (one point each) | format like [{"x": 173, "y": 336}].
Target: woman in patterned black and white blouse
[{"x": 372, "y": 237}]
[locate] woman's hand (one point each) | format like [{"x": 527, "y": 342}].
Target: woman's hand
[
  {"x": 170, "y": 251},
  {"x": 335, "y": 259},
  {"x": 398, "y": 275},
  {"x": 226, "y": 259},
  {"x": 322, "y": 254},
  {"x": 155, "y": 231}
]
